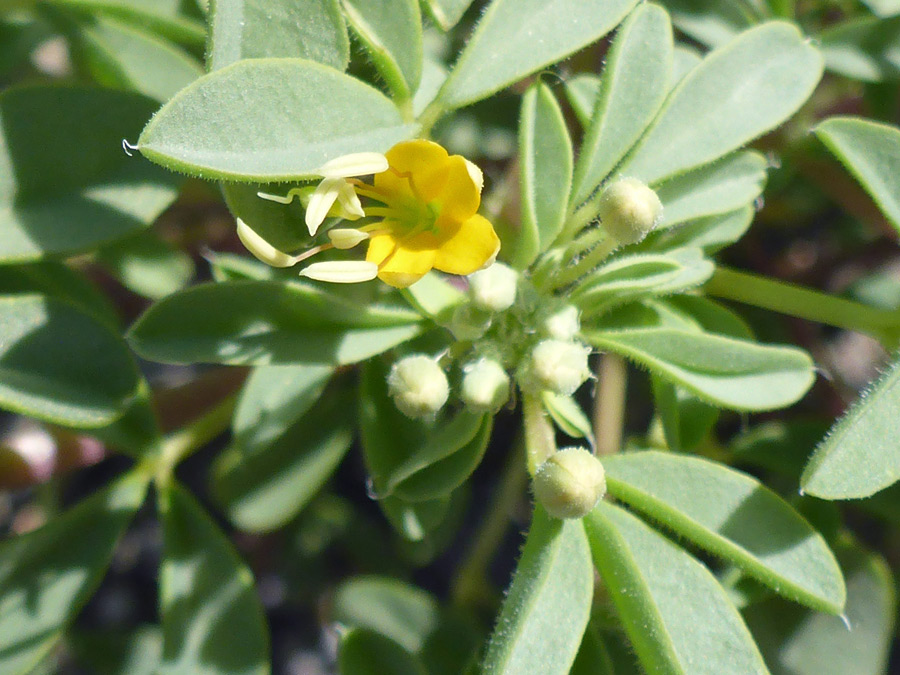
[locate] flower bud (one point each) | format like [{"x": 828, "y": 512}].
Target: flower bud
[
  {"x": 494, "y": 289},
  {"x": 485, "y": 386},
  {"x": 570, "y": 483},
  {"x": 563, "y": 324},
  {"x": 469, "y": 323},
  {"x": 418, "y": 386},
  {"x": 558, "y": 366},
  {"x": 629, "y": 210}
]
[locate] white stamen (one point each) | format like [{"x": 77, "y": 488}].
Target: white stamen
[
  {"x": 321, "y": 201},
  {"x": 341, "y": 272},
  {"x": 287, "y": 199},
  {"x": 349, "y": 202},
  {"x": 356, "y": 164},
  {"x": 475, "y": 174},
  {"x": 344, "y": 238},
  {"x": 262, "y": 249}
]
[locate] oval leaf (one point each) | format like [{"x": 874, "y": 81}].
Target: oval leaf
[
  {"x": 677, "y": 615},
  {"x": 548, "y": 605},
  {"x": 860, "y": 454},
  {"x": 207, "y": 596},
  {"x": 729, "y": 373},
  {"x": 734, "y": 516},
  {"x": 267, "y": 322},
  {"x": 48, "y": 575},
  {"x": 269, "y": 120},
  {"x": 635, "y": 82},
  {"x": 739, "y": 92},
  {"x": 86, "y": 182},
  {"x": 60, "y": 365},
  {"x": 517, "y": 37}
]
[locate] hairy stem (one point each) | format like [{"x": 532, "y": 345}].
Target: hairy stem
[{"x": 609, "y": 404}]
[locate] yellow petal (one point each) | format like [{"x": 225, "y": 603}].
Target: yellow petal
[
  {"x": 469, "y": 248},
  {"x": 458, "y": 195},
  {"x": 400, "y": 264},
  {"x": 412, "y": 161}
]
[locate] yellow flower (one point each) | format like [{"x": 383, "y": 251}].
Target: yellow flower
[
  {"x": 430, "y": 215},
  {"x": 427, "y": 211}
]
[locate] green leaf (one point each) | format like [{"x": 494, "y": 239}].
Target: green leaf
[
  {"x": 414, "y": 460},
  {"x": 48, "y": 575},
  {"x": 517, "y": 37},
  {"x": 739, "y": 92},
  {"x": 282, "y": 225},
  {"x": 118, "y": 652},
  {"x": 863, "y": 48},
  {"x": 635, "y": 82},
  {"x": 391, "y": 31},
  {"x": 809, "y": 643},
  {"x": 629, "y": 277},
  {"x": 711, "y": 233},
  {"x": 686, "y": 420},
  {"x": 160, "y": 16},
  {"x": 147, "y": 265},
  {"x": 415, "y": 521},
  {"x": 548, "y": 605},
  {"x": 593, "y": 657},
  {"x": 684, "y": 60},
  {"x": 545, "y": 174},
  {"x": 721, "y": 187},
  {"x": 708, "y": 315},
  {"x": 860, "y": 455},
  {"x": 255, "y": 29},
  {"x": 729, "y": 373},
  {"x": 568, "y": 415},
  {"x": 677, "y": 615},
  {"x": 710, "y": 22},
  {"x": 434, "y": 297},
  {"x": 267, "y": 322},
  {"x": 231, "y": 124},
  {"x": 871, "y": 152},
  {"x": 207, "y": 597},
  {"x": 60, "y": 365},
  {"x": 581, "y": 92},
  {"x": 121, "y": 56},
  {"x": 396, "y": 610},
  {"x": 86, "y": 182},
  {"x": 273, "y": 399},
  {"x": 447, "y": 13},
  {"x": 264, "y": 484},
  {"x": 363, "y": 652},
  {"x": 883, "y": 8},
  {"x": 734, "y": 516},
  {"x": 60, "y": 282}
]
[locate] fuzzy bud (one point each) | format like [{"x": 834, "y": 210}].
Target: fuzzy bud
[
  {"x": 418, "y": 386},
  {"x": 563, "y": 324},
  {"x": 469, "y": 323},
  {"x": 485, "y": 386},
  {"x": 570, "y": 483},
  {"x": 559, "y": 366},
  {"x": 494, "y": 289},
  {"x": 629, "y": 210}
]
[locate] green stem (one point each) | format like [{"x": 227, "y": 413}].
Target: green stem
[
  {"x": 609, "y": 404},
  {"x": 470, "y": 586},
  {"x": 429, "y": 117},
  {"x": 540, "y": 438},
  {"x": 805, "y": 303},
  {"x": 596, "y": 256},
  {"x": 179, "y": 445},
  {"x": 583, "y": 216}
]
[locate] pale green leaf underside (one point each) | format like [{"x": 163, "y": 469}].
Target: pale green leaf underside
[
  {"x": 860, "y": 455},
  {"x": 677, "y": 615},
  {"x": 160, "y": 16},
  {"x": 254, "y": 29},
  {"x": 740, "y": 91},
  {"x": 729, "y": 373},
  {"x": 871, "y": 152},
  {"x": 60, "y": 365},
  {"x": 734, "y": 516},
  {"x": 548, "y": 604},
  {"x": 517, "y": 37},
  {"x": 263, "y": 120},
  {"x": 634, "y": 83},
  {"x": 863, "y": 48},
  {"x": 267, "y": 323},
  {"x": 48, "y": 575}
]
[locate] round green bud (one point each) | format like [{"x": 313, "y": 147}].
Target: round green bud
[
  {"x": 485, "y": 386},
  {"x": 469, "y": 323},
  {"x": 559, "y": 366},
  {"x": 629, "y": 210},
  {"x": 418, "y": 386},
  {"x": 563, "y": 324},
  {"x": 570, "y": 483},
  {"x": 494, "y": 289}
]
